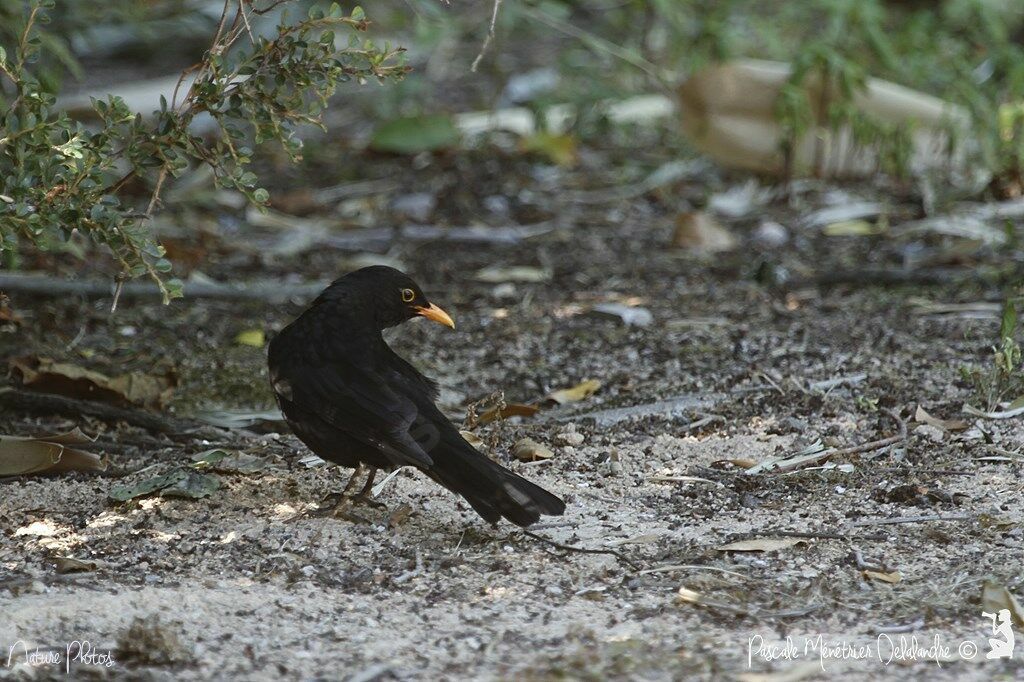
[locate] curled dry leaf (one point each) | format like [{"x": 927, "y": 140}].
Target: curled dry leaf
[
  {"x": 945, "y": 424},
  {"x": 473, "y": 440},
  {"x": 892, "y": 577},
  {"x": 529, "y": 450},
  {"x": 761, "y": 545},
  {"x": 20, "y": 456},
  {"x": 135, "y": 388},
  {"x": 580, "y": 391}
]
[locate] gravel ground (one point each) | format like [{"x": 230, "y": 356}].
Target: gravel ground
[{"x": 244, "y": 584}]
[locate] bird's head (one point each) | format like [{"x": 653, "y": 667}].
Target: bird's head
[{"x": 388, "y": 295}]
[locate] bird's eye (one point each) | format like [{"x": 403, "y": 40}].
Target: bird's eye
[{"x": 408, "y": 295}]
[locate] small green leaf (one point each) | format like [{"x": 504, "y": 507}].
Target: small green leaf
[
  {"x": 1009, "y": 321},
  {"x": 416, "y": 134}
]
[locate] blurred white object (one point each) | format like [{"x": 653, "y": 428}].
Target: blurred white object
[{"x": 728, "y": 111}]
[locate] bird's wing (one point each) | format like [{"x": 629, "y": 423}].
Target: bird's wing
[{"x": 365, "y": 405}]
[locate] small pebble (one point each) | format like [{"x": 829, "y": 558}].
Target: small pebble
[{"x": 570, "y": 437}]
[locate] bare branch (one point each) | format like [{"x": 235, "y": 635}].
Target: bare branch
[{"x": 489, "y": 38}]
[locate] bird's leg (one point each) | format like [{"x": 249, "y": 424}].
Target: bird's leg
[
  {"x": 363, "y": 496},
  {"x": 352, "y": 480},
  {"x": 339, "y": 504},
  {"x": 334, "y": 500}
]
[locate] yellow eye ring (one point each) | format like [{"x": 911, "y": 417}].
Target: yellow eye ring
[{"x": 408, "y": 295}]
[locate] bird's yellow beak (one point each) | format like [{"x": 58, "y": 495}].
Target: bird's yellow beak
[{"x": 432, "y": 312}]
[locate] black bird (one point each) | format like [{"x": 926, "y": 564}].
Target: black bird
[{"x": 353, "y": 401}]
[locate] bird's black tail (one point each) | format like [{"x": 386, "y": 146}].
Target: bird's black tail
[{"x": 491, "y": 489}]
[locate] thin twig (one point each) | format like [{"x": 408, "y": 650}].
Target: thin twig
[
  {"x": 245, "y": 18},
  {"x": 119, "y": 281},
  {"x": 583, "y": 550},
  {"x": 913, "y": 519},
  {"x": 602, "y": 45},
  {"x": 875, "y": 444},
  {"x": 489, "y": 38},
  {"x": 878, "y": 537},
  {"x": 690, "y": 567},
  {"x": 46, "y": 285}
]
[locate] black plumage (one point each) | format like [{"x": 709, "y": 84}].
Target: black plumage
[{"x": 353, "y": 401}]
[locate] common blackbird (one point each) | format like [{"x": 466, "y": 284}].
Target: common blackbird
[{"x": 353, "y": 401}]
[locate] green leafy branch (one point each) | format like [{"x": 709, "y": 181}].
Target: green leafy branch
[{"x": 59, "y": 176}]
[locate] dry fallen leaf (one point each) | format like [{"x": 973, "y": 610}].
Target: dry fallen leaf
[
  {"x": 529, "y": 450},
  {"x": 399, "y": 516},
  {"x": 853, "y": 228},
  {"x": 699, "y": 231},
  {"x": 739, "y": 462},
  {"x": 497, "y": 274},
  {"x": 135, "y": 388},
  {"x": 7, "y": 314},
  {"x": 631, "y": 316},
  {"x": 580, "y": 391},
  {"x": 21, "y": 456},
  {"x": 687, "y": 596},
  {"x": 66, "y": 564},
  {"x": 473, "y": 440},
  {"x": 886, "y": 577},
  {"x": 760, "y": 545},
  {"x": 180, "y": 482},
  {"x": 923, "y": 417},
  {"x": 506, "y": 411},
  {"x": 995, "y": 598},
  {"x": 228, "y": 462},
  {"x": 559, "y": 149}
]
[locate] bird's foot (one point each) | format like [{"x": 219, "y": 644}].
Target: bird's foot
[
  {"x": 368, "y": 501},
  {"x": 338, "y": 506}
]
